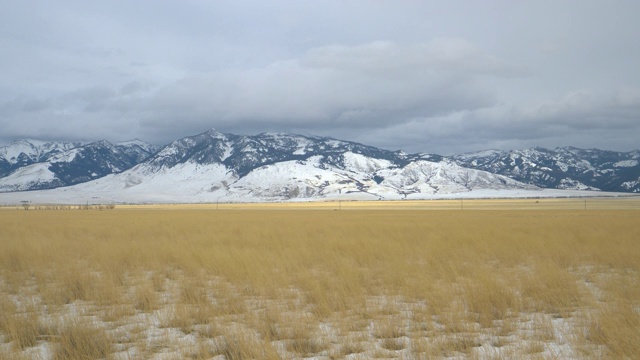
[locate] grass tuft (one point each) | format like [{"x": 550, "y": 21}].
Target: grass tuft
[{"x": 79, "y": 340}]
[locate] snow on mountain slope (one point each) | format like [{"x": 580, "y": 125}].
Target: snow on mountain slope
[
  {"x": 26, "y": 152},
  {"x": 35, "y": 176},
  {"x": 631, "y": 185},
  {"x": 360, "y": 163},
  {"x": 425, "y": 177},
  {"x": 34, "y": 150},
  {"x": 363, "y": 177},
  {"x": 626, "y": 163},
  {"x": 193, "y": 182},
  {"x": 290, "y": 180},
  {"x": 142, "y": 183},
  {"x": 356, "y": 177},
  {"x": 76, "y": 165},
  {"x": 561, "y": 168}
]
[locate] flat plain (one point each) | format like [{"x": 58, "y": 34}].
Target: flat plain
[{"x": 532, "y": 278}]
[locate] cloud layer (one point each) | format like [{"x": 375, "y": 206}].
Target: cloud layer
[{"x": 399, "y": 76}]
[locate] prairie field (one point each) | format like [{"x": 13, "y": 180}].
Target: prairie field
[{"x": 180, "y": 282}]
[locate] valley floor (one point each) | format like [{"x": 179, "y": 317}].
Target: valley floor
[
  {"x": 79, "y": 195},
  {"x": 187, "y": 281},
  {"x": 580, "y": 201}
]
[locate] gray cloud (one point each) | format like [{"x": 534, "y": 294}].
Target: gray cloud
[
  {"x": 582, "y": 119},
  {"x": 367, "y": 85},
  {"x": 419, "y": 76}
]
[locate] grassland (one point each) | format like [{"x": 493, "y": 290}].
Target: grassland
[{"x": 134, "y": 283}]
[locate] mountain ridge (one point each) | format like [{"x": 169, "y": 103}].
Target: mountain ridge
[
  {"x": 561, "y": 168},
  {"x": 77, "y": 163},
  {"x": 282, "y": 166}
]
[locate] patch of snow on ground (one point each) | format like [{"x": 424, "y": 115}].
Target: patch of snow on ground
[
  {"x": 25, "y": 177},
  {"x": 563, "y": 166},
  {"x": 228, "y": 151},
  {"x": 302, "y": 146},
  {"x": 361, "y": 163},
  {"x": 66, "y": 156},
  {"x": 630, "y": 184},
  {"x": 626, "y": 163},
  {"x": 479, "y": 154},
  {"x": 151, "y": 335},
  {"x": 571, "y": 184}
]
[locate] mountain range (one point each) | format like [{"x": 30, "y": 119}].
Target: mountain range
[{"x": 214, "y": 166}]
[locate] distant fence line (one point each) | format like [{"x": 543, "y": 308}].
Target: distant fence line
[
  {"x": 600, "y": 203},
  {"x": 28, "y": 206}
]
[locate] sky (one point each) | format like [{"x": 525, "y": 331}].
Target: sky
[{"x": 440, "y": 77}]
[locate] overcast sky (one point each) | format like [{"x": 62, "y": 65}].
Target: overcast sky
[{"x": 431, "y": 76}]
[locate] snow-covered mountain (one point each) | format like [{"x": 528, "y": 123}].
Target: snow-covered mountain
[
  {"x": 276, "y": 167},
  {"x": 213, "y": 166},
  {"x": 358, "y": 177},
  {"x": 26, "y": 152},
  {"x": 38, "y": 165},
  {"x": 284, "y": 167},
  {"x": 562, "y": 168},
  {"x": 242, "y": 154}
]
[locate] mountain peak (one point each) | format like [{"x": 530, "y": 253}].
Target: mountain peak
[
  {"x": 214, "y": 133},
  {"x": 134, "y": 141},
  {"x": 101, "y": 143}
]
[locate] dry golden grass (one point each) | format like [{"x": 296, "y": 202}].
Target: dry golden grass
[
  {"x": 77, "y": 340},
  {"x": 290, "y": 284}
]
